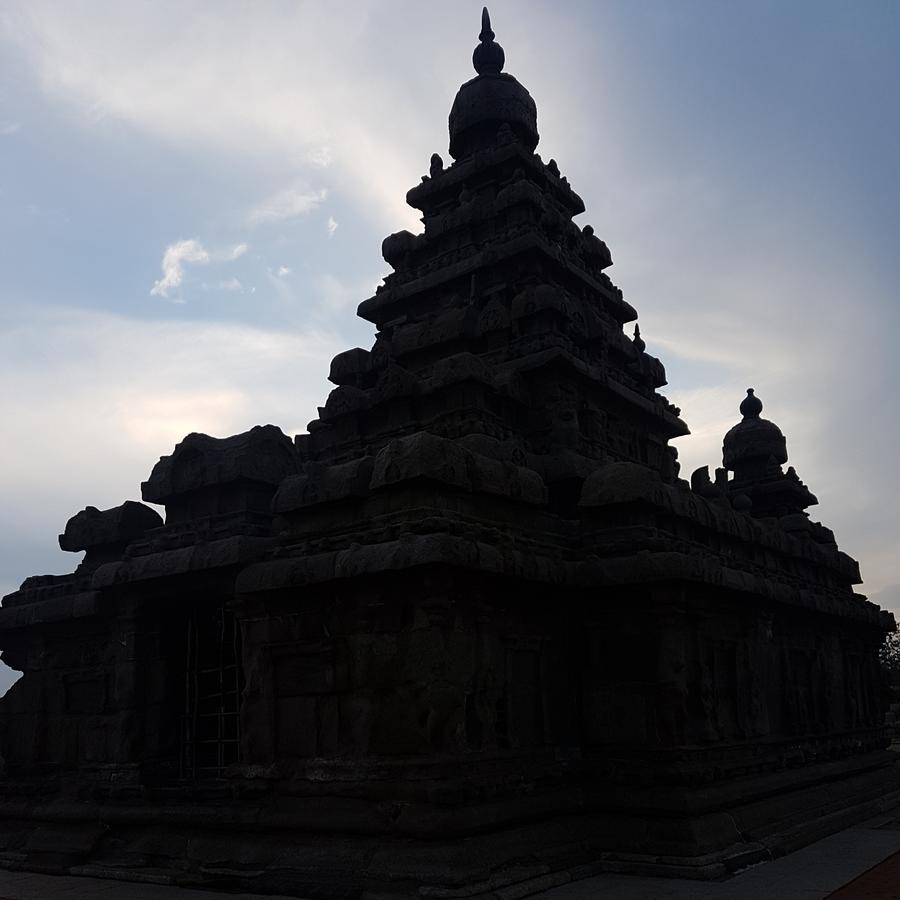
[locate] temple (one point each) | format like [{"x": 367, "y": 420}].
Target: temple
[{"x": 471, "y": 631}]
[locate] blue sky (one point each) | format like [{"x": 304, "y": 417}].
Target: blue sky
[{"x": 193, "y": 198}]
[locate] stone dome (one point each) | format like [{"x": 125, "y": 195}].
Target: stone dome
[
  {"x": 753, "y": 438},
  {"x": 490, "y": 100}
]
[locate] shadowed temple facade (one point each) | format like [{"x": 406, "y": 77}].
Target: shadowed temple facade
[{"x": 469, "y": 632}]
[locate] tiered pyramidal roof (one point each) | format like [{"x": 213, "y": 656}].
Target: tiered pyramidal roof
[
  {"x": 500, "y": 339},
  {"x": 501, "y": 377}
]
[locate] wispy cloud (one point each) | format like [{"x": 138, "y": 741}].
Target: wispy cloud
[
  {"x": 332, "y": 226},
  {"x": 173, "y": 262},
  {"x": 321, "y": 157},
  {"x": 213, "y": 377},
  {"x": 7, "y": 128},
  {"x": 714, "y": 289},
  {"x": 250, "y": 73},
  {"x": 285, "y": 205},
  {"x": 192, "y": 251}
]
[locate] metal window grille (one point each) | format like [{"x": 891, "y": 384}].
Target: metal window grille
[{"x": 213, "y": 685}]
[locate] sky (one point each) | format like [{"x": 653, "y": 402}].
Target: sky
[{"x": 193, "y": 199}]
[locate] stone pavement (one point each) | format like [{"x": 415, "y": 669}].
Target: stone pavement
[
  {"x": 30, "y": 886},
  {"x": 811, "y": 873},
  {"x": 879, "y": 883},
  {"x": 859, "y": 863}
]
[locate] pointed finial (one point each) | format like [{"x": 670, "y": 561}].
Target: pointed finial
[
  {"x": 751, "y": 406},
  {"x": 638, "y": 340},
  {"x": 488, "y": 57},
  {"x": 486, "y": 33}
]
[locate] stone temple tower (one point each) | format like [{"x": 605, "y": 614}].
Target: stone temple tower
[{"x": 470, "y": 630}]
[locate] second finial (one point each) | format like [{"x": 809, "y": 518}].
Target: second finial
[{"x": 488, "y": 57}]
